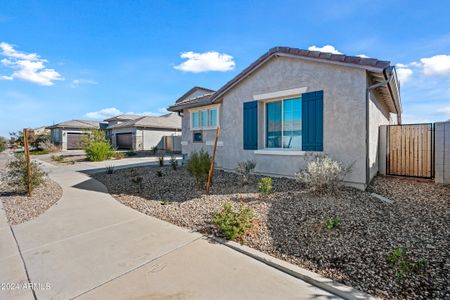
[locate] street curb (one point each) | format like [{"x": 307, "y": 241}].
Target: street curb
[{"x": 312, "y": 278}]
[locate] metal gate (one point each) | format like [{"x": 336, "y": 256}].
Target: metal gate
[{"x": 410, "y": 150}]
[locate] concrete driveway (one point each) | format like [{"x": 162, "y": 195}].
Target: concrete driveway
[{"x": 89, "y": 246}]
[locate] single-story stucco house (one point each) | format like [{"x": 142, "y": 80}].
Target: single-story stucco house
[
  {"x": 133, "y": 132},
  {"x": 291, "y": 102},
  {"x": 68, "y": 134}
]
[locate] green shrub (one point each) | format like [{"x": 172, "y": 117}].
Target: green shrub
[
  {"x": 265, "y": 185},
  {"x": 39, "y": 141},
  {"x": 174, "y": 162},
  {"x": 58, "y": 158},
  {"x": 3, "y": 144},
  {"x": 323, "y": 175},
  {"x": 131, "y": 153},
  {"x": 38, "y": 152},
  {"x": 118, "y": 155},
  {"x": 161, "y": 160},
  {"x": 17, "y": 176},
  {"x": 198, "y": 166},
  {"x": 91, "y": 136},
  {"x": 332, "y": 223},
  {"x": 48, "y": 146},
  {"x": 399, "y": 260},
  {"x": 244, "y": 169},
  {"x": 234, "y": 224},
  {"x": 99, "y": 151},
  {"x": 109, "y": 169}
]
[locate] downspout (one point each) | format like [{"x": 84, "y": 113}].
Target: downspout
[{"x": 369, "y": 88}]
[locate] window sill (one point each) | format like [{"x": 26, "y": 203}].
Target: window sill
[
  {"x": 203, "y": 128},
  {"x": 280, "y": 152},
  {"x": 211, "y": 143}
]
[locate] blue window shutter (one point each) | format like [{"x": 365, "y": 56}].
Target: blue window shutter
[
  {"x": 251, "y": 125},
  {"x": 312, "y": 121}
]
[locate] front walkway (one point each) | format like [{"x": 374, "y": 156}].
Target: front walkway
[{"x": 89, "y": 246}]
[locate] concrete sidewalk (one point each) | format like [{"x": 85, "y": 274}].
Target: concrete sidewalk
[{"x": 89, "y": 246}]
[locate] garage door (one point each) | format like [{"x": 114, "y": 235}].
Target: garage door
[
  {"x": 74, "y": 141},
  {"x": 124, "y": 141}
]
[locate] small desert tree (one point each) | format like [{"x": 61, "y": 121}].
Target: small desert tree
[
  {"x": 3, "y": 144},
  {"x": 90, "y": 136},
  {"x": 17, "y": 176}
]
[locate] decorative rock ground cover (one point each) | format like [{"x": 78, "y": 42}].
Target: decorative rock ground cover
[
  {"x": 290, "y": 224},
  {"x": 19, "y": 208}
]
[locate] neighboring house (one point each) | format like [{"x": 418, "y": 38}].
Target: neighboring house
[
  {"x": 43, "y": 130},
  {"x": 133, "y": 132},
  {"x": 68, "y": 134},
  {"x": 291, "y": 102}
]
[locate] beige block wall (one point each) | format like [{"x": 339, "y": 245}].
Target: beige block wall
[{"x": 442, "y": 152}]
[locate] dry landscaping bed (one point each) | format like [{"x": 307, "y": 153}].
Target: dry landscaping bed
[
  {"x": 19, "y": 208},
  {"x": 290, "y": 225}
]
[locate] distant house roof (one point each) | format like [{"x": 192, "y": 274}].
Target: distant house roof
[
  {"x": 192, "y": 102},
  {"x": 123, "y": 117},
  {"x": 200, "y": 90},
  {"x": 167, "y": 121},
  {"x": 83, "y": 124},
  {"x": 372, "y": 65}
]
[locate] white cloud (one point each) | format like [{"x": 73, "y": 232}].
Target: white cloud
[
  {"x": 436, "y": 65},
  {"x": 27, "y": 66},
  {"x": 404, "y": 73},
  {"x": 205, "y": 62},
  {"x": 326, "y": 48},
  {"x": 109, "y": 112},
  {"x": 362, "y": 56},
  {"x": 103, "y": 113},
  {"x": 4, "y": 77},
  {"x": 77, "y": 82},
  {"x": 444, "y": 110}
]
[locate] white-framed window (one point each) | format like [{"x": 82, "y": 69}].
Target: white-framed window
[
  {"x": 205, "y": 118},
  {"x": 283, "y": 123}
]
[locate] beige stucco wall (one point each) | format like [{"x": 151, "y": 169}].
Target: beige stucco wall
[
  {"x": 187, "y": 144},
  {"x": 143, "y": 138},
  {"x": 378, "y": 116},
  {"x": 344, "y": 117},
  {"x": 153, "y": 137}
]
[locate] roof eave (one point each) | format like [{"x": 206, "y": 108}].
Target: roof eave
[{"x": 271, "y": 54}]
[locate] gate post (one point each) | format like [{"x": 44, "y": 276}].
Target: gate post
[
  {"x": 382, "y": 146},
  {"x": 442, "y": 152}
]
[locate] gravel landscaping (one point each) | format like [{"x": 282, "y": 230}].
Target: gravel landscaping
[
  {"x": 18, "y": 207},
  {"x": 290, "y": 224}
]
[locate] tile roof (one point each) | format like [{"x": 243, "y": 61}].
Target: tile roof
[
  {"x": 123, "y": 117},
  {"x": 85, "y": 124},
  {"x": 371, "y": 64},
  {"x": 182, "y": 98},
  {"x": 167, "y": 121}
]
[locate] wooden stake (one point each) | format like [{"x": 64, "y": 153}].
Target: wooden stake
[
  {"x": 27, "y": 156},
  {"x": 211, "y": 168}
]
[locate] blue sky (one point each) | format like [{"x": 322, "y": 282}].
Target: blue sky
[{"x": 64, "y": 60}]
